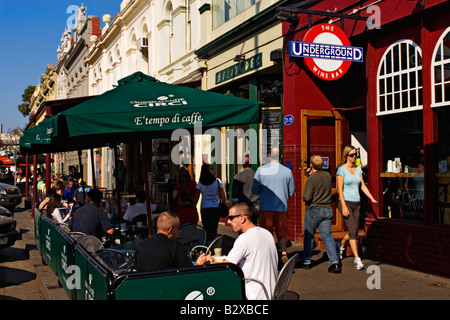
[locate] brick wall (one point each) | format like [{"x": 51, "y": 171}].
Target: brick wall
[{"x": 411, "y": 245}]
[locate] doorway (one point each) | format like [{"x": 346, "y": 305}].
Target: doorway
[{"x": 321, "y": 133}]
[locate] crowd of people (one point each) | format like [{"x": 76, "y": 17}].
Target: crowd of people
[{"x": 259, "y": 215}]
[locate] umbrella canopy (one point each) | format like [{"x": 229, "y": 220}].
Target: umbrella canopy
[
  {"x": 139, "y": 103},
  {"x": 42, "y": 134}
]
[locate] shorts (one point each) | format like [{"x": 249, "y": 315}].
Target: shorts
[
  {"x": 352, "y": 222},
  {"x": 274, "y": 220}
]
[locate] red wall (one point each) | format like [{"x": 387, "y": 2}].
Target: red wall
[{"x": 421, "y": 246}]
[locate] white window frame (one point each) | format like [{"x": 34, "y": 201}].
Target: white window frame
[
  {"x": 386, "y": 77},
  {"x": 439, "y": 47}
]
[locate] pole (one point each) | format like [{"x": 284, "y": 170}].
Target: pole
[
  {"x": 93, "y": 169},
  {"x": 81, "y": 174},
  {"x": 146, "y": 185}
]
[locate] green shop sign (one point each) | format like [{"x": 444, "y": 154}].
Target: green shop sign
[{"x": 239, "y": 68}]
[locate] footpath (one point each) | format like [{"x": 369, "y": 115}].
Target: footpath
[{"x": 379, "y": 281}]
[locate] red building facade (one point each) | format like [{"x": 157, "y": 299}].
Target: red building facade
[{"x": 396, "y": 105}]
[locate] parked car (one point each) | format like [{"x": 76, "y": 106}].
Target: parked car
[
  {"x": 10, "y": 196},
  {"x": 8, "y": 232}
]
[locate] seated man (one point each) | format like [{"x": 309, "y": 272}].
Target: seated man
[
  {"x": 162, "y": 250},
  {"x": 254, "y": 251},
  {"x": 139, "y": 208},
  {"x": 90, "y": 219}
]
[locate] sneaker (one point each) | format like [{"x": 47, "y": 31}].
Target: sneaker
[
  {"x": 358, "y": 264},
  {"x": 341, "y": 253}
]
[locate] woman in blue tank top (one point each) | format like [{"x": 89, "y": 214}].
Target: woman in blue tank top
[{"x": 349, "y": 179}]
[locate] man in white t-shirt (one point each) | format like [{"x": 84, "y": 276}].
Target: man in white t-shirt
[
  {"x": 254, "y": 251},
  {"x": 139, "y": 208}
]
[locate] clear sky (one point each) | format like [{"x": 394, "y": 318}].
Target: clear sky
[{"x": 30, "y": 33}]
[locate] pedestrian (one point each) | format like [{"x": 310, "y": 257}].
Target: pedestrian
[
  {"x": 275, "y": 184},
  {"x": 184, "y": 183},
  {"x": 212, "y": 193},
  {"x": 254, "y": 251},
  {"x": 318, "y": 214},
  {"x": 349, "y": 179},
  {"x": 186, "y": 210},
  {"x": 241, "y": 189}
]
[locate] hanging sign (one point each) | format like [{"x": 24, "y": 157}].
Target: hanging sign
[{"x": 326, "y": 50}]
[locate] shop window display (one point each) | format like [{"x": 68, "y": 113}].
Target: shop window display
[
  {"x": 403, "y": 176},
  {"x": 441, "y": 102}
]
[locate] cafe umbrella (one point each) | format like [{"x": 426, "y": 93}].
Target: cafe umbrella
[{"x": 138, "y": 104}]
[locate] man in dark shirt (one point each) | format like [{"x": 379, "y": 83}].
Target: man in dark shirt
[
  {"x": 90, "y": 219},
  {"x": 318, "y": 214},
  {"x": 162, "y": 250}
]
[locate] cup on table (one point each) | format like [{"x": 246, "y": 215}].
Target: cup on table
[{"x": 218, "y": 252}]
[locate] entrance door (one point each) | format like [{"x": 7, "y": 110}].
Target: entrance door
[{"x": 322, "y": 135}]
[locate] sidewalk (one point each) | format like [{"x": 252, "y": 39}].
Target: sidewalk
[
  {"x": 46, "y": 276},
  {"x": 395, "y": 283}
]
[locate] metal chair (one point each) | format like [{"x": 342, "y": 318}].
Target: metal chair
[
  {"x": 90, "y": 243},
  {"x": 195, "y": 252},
  {"x": 284, "y": 277},
  {"x": 114, "y": 260},
  {"x": 192, "y": 235}
]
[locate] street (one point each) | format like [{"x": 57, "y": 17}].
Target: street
[
  {"x": 23, "y": 277},
  {"x": 18, "y": 280}
]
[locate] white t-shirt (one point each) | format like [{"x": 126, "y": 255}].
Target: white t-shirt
[
  {"x": 255, "y": 253},
  {"x": 58, "y": 217},
  {"x": 137, "y": 209}
]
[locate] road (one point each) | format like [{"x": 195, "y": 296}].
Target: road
[{"x": 18, "y": 280}]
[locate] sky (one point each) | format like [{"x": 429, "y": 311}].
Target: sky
[{"x": 30, "y": 33}]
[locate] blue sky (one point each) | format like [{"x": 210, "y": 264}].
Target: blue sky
[{"x": 30, "y": 35}]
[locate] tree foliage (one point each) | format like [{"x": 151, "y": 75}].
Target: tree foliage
[{"x": 24, "y": 108}]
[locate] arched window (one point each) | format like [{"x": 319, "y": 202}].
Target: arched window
[
  {"x": 440, "y": 71},
  {"x": 399, "y": 80}
]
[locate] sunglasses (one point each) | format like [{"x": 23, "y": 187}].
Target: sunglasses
[
  {"x": 351, "y": 155},
  {"x": 232, "y": 217}
]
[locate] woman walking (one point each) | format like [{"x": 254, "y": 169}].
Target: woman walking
[
  {"x": 212, "y": 193},
  {"x": 349, "y": 178}
]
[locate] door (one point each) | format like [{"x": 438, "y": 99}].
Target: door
[{"x": 322, "y": 135}]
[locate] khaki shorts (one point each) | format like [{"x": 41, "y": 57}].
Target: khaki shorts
[{"x": 275, "y": 220}]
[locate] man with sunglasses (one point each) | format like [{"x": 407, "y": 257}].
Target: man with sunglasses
[{"x": 254, "y": 251}]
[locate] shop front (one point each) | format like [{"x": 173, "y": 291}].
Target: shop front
[
  {"x": 395, "y": 106},
  {"x": 244, "y": 60}
]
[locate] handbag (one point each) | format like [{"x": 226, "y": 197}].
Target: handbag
[{"x": 223, "y": 208}]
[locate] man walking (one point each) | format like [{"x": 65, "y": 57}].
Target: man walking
[
  {"x": 275, "y": 184},
  {"x": 318, "y": 214}
]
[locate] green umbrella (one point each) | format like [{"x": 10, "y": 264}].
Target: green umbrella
[
  {"x": 140, "y": 103},
  {"x": 42, "y": 134}
]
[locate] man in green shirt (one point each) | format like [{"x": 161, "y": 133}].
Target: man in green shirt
[{"x": 318, "y": 214}]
